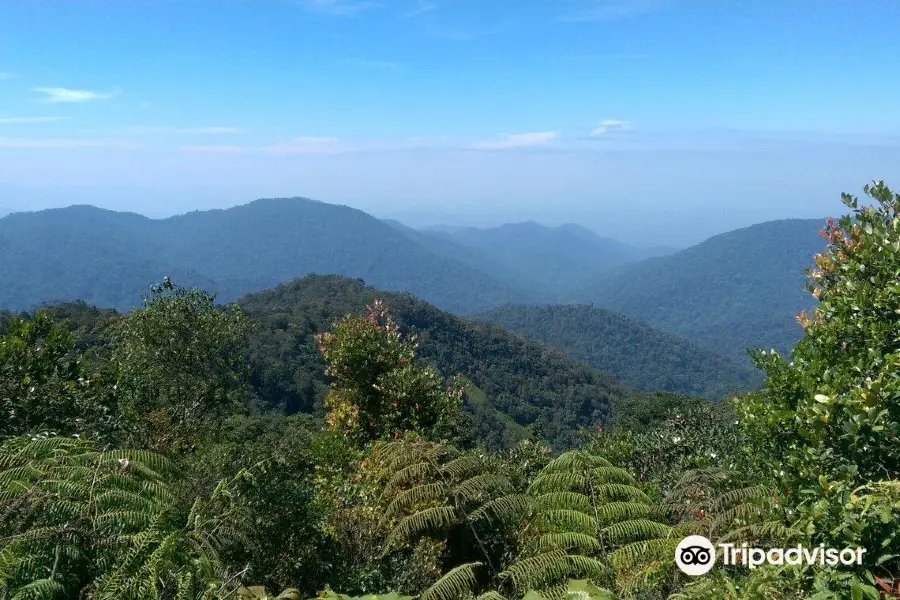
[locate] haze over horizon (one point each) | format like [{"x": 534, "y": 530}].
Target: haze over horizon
[{"x": 463, "y": 113}]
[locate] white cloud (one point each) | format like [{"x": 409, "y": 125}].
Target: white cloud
[
  {"x": 308, "y": 145},
  {"x": 216, "y": 149},
  {"x": 297, "y": 145},
  {"x": 65, "y": 143},
  {"x": 5, "y": 75},
  {"x": 26, "y": 120},
  {"x": 615, "y": 10},
  {"x": 610, "y": 125},
  {"x": 376, "y": 64},
  {"x": 339, "y": 8},
  {"x": 162, "y": 129},
  {"x": 57, "y": 94},
  {"x": 423, "y": 7},
  {"x": 517, "y": 140}
]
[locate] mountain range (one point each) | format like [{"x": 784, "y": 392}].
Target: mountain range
[
  {"x": 738, "y": 289},
  {"x": 733, "y": 291},
  {"x": 637, "y": 354}
]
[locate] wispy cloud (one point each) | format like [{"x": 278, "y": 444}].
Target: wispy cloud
[
  {"x": 67, "y": 143},
  {"x": 606, "y": 56},
  {"x": 423, "y": 6},
  {"x": 58, "y": 94},
  {"x": 216, "y": 149},
  {"x": 610, "y": 125},
  {"x": 308, "y": 145},
  {"x": 339, "y": 8},
  {"x": 297, "y": 145},
  {"x": 456, "y": 34},
  {"x": 5, "y": 75},
  {"x": 169, "y": 129},
  {"x": 376, "y": 64},
  {"x": 614, "y": 10},
  {"x": 517, "y": 140},
  {"x": 27, "y": 120}
]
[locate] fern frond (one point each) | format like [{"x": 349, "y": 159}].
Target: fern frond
[
  {"x": 483, "y": 485},
  {"x": 41, "y": 589},
  {"x": 619, "y": 492},
  {"x": 612, "y": 512},
  {"x": 416, "y": 496},
  {"x": 568, "y": 541},
  {"x": 512, "y": 506},
  {"x": 635, "y": 530},
  {"x": 426, "y": 520},
  {"x": 575, "y": 460},
  {"x": 613, "y": 475},
  {"x": 564, "y": 500},
  {"x": 556, "y": 482},
  {"x": 462, "y": 466},
  {"x": 456, "y": 584}
]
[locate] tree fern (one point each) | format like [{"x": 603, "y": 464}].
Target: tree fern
[
  {"x": 588, "y": 515},
  {"x": 434, "y": 489},
  {"x": 79, "y": 521}
]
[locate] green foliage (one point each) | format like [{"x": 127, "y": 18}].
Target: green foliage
[
  {"x": 279, "y": 541},
  {"x": 592, "y": 516},
  {"x": 734, "y": 291},
  {"x": 637, "y": 354},
  {"x": 78, "y": 520},
  {"x": 179, "y": 363},
  {"x": 692, "y": 434},
  {"x": 826, "y": 425},
  {"x": 537, "y": 387},
  {"x": 377, "y": 391},
  {"x": 46, "y": 383}
]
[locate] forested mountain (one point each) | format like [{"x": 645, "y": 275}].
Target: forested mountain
[
  {"x": 637, "y": 354},
  {"x": 735, "y": 290},
  {"x": 524, "y": 383},
  {"x": 133, "y": 466},
  {"x": 473, "y": 257},
  {"x": 549, "y": 256},
  {"x": 515, "y": 387},
  {"x": 106, "y": 258}
]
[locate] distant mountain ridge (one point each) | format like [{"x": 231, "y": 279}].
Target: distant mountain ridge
[
  {"x": 105, "y": 257},
  {"x": 638, "y": 355},
  {"x": 548, "y": 258},
  {"x": 738, "y": 289},
  {"x": 735, "y": 290}
]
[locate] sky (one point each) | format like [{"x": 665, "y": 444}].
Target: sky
[{"x": 651, "y": 121}]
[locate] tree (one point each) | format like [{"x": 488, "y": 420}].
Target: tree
[
  {"x": 180, "y": 362},
  {"x": 377, "y": 390},
  {"x": 826, "y": 427},
  {"x": 78, "y": 521},
  {"x": 45, "y": 384}
]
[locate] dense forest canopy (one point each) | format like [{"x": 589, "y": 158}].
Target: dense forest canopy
[
  {"x": 736, "y": 290},
  {"x": 139, "y": 461},
  {"x": 637, "y": 354}
]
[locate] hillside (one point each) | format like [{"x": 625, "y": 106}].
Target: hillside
[
  {"x": 106, "y": 258},
  {"x": 550, "y": 256},
  {"x": 537, "y": 387},
  {"x": 736, "y": 290},
  {"x": 637, "y": 354}
]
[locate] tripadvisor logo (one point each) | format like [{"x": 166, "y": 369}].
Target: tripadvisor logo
[{"x": 695, "y": 555}]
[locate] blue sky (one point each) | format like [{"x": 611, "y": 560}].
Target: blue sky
[{"x": 661, "y": 121}]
